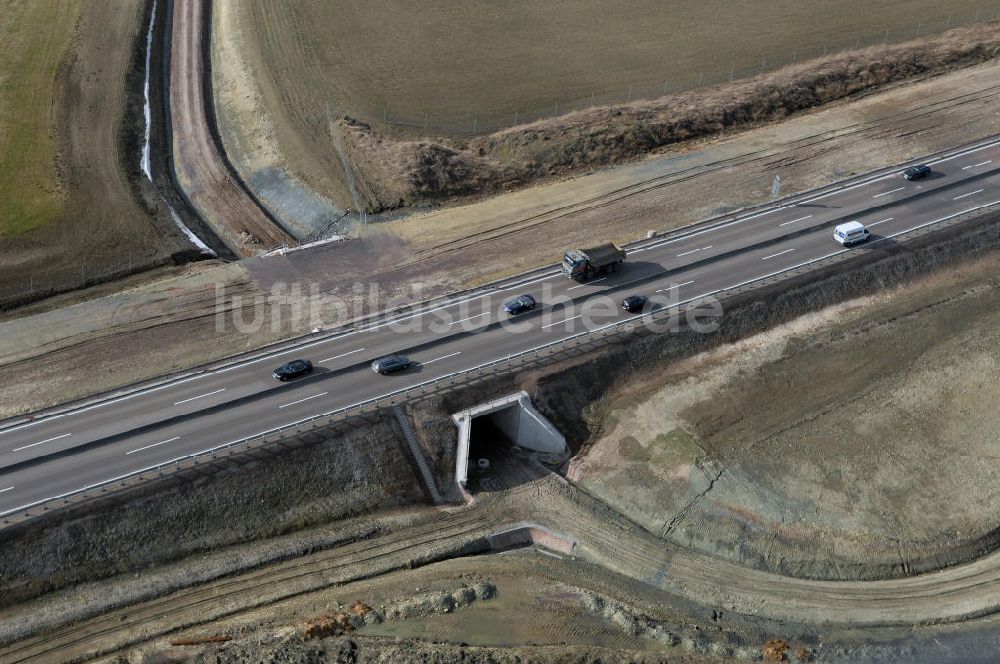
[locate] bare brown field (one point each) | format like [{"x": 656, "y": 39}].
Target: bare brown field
[
  {"x": 396, "y": 173},
  {"x": 457, "y": 66},
  {"x": 94, "y": 221}
]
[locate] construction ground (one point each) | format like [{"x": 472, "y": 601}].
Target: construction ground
[{"x": 813, "y": 484}]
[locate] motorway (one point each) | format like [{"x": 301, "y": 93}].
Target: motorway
[{"x": 61, "y": 453}]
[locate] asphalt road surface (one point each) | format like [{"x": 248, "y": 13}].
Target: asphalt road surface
[{"x": 120, "y": 436}]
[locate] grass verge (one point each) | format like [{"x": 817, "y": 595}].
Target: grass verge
[{"x": 34, "y": 39}]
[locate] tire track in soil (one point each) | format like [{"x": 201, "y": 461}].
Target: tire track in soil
[
  {"x": 408, "y": 547},
  {"x": 205, "y": 177}
]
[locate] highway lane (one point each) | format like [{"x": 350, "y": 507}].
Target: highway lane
[
  {"x": 229, "y": 384},
  {"x": 467, "y": 333}
]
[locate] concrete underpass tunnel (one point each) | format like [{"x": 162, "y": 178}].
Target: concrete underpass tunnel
[{"x": 505, "y": 442}]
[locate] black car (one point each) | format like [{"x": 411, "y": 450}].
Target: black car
[
  {"x": 390, "y": 363},
  {"x": 634, "y": 303},
  {"x": 917, "y": 172},
  {"x": 519, "y": 304},
  {"x": 293, "y": 369}
]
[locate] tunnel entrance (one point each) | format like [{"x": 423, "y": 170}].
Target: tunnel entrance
[
  {"x": 505, "y": 442},
  {"x": 490, "y": 451}
]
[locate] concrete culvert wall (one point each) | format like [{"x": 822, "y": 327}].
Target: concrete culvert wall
[{"x": 517, "y": 420}]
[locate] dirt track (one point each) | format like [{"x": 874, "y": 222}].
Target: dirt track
[
  {"x": 201, "y": 170},
  {"x": 604, "y": 538}
]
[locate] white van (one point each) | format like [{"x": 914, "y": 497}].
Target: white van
[{"x": 851, "y": 233}]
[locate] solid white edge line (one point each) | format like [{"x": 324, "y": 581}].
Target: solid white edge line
[
  {"x": 274, "y": 355},
  {"x": 971, "y": 193},
  {"x": 382, "y": 396},
  {"x": 47, "y": 440},
  {"x": 564, "y": 320},
  {"x": 207, "y": 394},
  {"x": 337, "y": 357},
  {"x": 891, "y": 191},
  {"x": 315, "y": 396},
  {"x": 818, "y": 197},
  {"x": 780, "y": 253},
  {"x": 443, "y": 357},
  {"x": 755, "y": 215},
  {"x": 162, "y": 442},
  {"x": 50, "y": 418},
  {"x": 736, "y": 221}
]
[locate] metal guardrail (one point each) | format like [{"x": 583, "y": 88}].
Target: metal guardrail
[
  {"x": 588, "y": 338},
  {"x": 361, "y": 323}
]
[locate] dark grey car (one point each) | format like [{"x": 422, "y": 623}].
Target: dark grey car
[
  {"x": 390, "y": 363},
  {"x": 634, "y": 303},
  {"x": 917, "y": 172},
  {"x": 519, "y": 304},
  {"x": 293, "y": 369}
]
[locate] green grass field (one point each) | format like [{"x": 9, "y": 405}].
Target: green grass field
[{"x": 34, "y": 38}]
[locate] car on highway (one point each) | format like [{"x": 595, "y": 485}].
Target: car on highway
[
  {"x": 917, "y": 172},
  {"x": 634, "y": 303},
  {"x": 519, "y": 305},
  {"x": 293, "y": 369},
  {"x": 390, "y": 363},
  {"x": 853, "y": 232}
]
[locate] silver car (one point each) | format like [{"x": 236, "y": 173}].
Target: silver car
[{"x": 390, "y": 363}]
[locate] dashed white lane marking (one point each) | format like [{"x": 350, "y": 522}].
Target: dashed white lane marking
[
  {"x": 41, "y": 442},
  {"x": 564, "y": 320},
  {"x": 479, "y": 315},
  {"x": 443, "y": 357},
  {"x": 337, "y": 357},
  {"x": 780, "y": 253},
  {"x": 301, "y": 400},
  {"x": 200, "y": 396},
  {"x": 588, "y": 283},
  {"x": 796, "y": 220},
  {"x": 982, "y": 163},
  {"x": 891, "y": 191},
  {"x": 971, "y": 193},
  {"x": 10, "y": 488},
  {"x": 162, "y": 442},
  {"x": 876, "y": 223},
  {"x": 673, "y": 286},
  {"x": 686, "y": 253}
]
